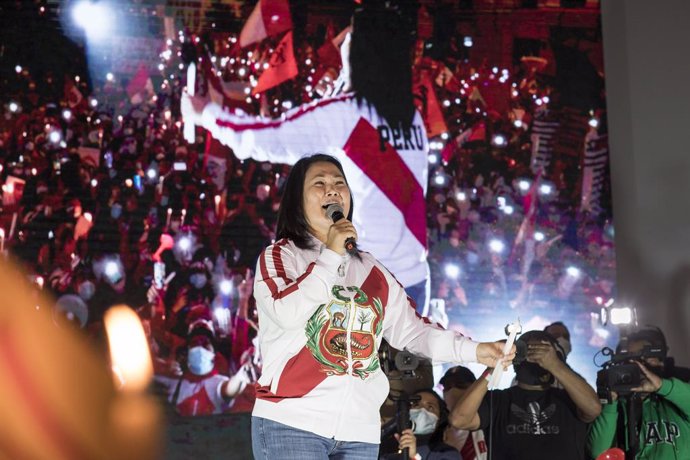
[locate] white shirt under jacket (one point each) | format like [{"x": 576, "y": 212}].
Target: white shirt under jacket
[
  {"x": 322, "y": 317},
  {"x": 386, "y": 169}
]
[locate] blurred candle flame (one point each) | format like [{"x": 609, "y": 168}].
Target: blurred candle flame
[{"x": 129, "y": 351}]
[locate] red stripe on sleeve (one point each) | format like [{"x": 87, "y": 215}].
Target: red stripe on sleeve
[
  {"x": 238, "y": 127},
  {"x": 265, "y": 277},
  {"x": 411, "y": 303},
  {"x": 293, "y": 287},
  {"x": 278, "y": 261}
]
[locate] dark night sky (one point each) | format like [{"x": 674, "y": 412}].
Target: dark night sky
[{"x": 35, "y": 41}]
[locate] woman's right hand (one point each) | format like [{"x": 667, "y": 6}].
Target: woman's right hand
[
  {"x": 491, "y": 354},
  {"x": 338, "y": 233},
  {"x": 407, "y": 440}
]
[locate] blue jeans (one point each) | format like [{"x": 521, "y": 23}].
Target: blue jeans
[
  {"x": 420, "y": 294},
  {"x": 272, "y": 440}
]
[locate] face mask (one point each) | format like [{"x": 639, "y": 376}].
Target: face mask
[
  {"x": 200, "y": 360},
  {"x": 198, "y": 280},
  {"x": 565, "y": 345},
  {"x": 115, "y": 211},
  {"x": 532, "y": 374},
  {"x": 86, "y": 290},
  {"x": 424, "y": 421}
]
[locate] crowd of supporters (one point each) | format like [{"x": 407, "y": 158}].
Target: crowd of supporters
[{"x": 100, "y": 185}]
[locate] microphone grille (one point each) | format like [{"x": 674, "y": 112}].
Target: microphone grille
[{"x": 332, "y": 209}]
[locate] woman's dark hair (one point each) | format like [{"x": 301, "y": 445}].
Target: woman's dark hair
[
  {"x": 381, "y": 61},
  {"x": 291, "y": 221},
  {"x": 436, "y": 438}
]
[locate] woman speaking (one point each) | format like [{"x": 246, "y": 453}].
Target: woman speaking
[{"x": 323, "y": 311}]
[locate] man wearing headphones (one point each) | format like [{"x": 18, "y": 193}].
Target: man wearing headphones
[
  {"x": 532, "y": 420},
  {"x": 663, "y": 405}
]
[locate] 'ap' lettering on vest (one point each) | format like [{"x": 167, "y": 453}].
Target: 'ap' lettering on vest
[{"x": 653, "y": 435}]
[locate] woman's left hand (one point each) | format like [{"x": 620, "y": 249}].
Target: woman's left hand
[{"x": 491, "y": 353}]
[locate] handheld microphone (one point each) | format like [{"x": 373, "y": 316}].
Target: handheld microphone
[{"x": 335, "y": 213}]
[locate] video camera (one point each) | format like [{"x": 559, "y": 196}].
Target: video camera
[
  {"x": 404, "y": 362},
  {"x": 621, "y": 373}
]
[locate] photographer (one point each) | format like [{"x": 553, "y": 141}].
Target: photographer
[
  {"x": 663, "y": 404},
  {"x": 425, "y": 440},
  {"x": 531, "y": 420}
]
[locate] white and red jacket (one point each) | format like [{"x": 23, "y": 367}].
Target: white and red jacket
[
  {"x": 386, "y": 169},
  {"x": 197, "y": 395},
  {"x": 322, "y": 317}
]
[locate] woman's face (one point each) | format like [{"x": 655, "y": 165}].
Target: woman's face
[
  {"x": 427, "y": 402},
  {"x": 324, "y": 184}
]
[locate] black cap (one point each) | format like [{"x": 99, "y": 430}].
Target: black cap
[{"x": 457, "y": 377}]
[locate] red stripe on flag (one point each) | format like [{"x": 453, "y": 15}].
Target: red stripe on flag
[{"x": 401, "y": 188}]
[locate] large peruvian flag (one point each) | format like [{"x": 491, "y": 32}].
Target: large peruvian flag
[
  {"x": 270, "y": 17},
  {"x": 282, "y": 66}
]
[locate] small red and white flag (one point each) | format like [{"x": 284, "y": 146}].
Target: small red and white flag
[
  {"x": 269, "y": 18},
  {"x": 140, "y": 86},
  {"x": 329, "y": 52},
  {"x": 282, "y": 66},
  {"x": 73, "y": 96},
  {"x": 223, "y": 93},
  {"x": 427, "y": 103},
  {"x": 216, "y": 162}
]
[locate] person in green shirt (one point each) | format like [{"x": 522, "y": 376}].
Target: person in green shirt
[{"x": 664, "y": 431}]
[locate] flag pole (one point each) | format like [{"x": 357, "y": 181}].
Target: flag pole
[{"x": 191, "y": 84}]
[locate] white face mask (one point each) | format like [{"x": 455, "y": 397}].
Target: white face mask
[
  {"x": 86, "y": 290},
  {"x": 424, "y": 421},
  {"x": 200, "y": 360}
]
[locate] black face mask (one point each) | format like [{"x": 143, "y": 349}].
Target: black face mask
[{"x": 532, "y": 374}]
